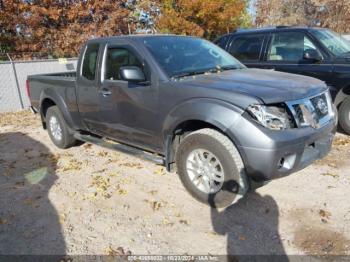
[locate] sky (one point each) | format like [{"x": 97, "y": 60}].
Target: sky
[{"x": 251, "y": 8}]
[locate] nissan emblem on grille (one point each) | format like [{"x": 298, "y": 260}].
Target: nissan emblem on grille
[{"x": 322, "y": 106}]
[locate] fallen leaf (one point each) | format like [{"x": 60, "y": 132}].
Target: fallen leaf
[
  {"x": 330, "y": 174},
  {"x": 183, "y": 221},
  {"x": 19, "y": 184},
  {"x": 99, "y": 171},
  {"x": 102, "y": 153},
  {"x": 72, "y": 194},
  {"x": 156, "y": 205},
  {"x": 3, "y": 221},
  {"x": 153, "y": 192},
  {"x": 62, "y": 218},
  {"x": 122, "y": 191},
  {"x": 160, "y": 171},
  {"x": 100, "y": 183},
  {"x": 116, "y": 252},
  {"x": 341, "y": 142},
  {"x": 73, "y": 164},
  {"x": 87, "y": 146},
  {"x": 211, "y": 233},
  {"x": 28, "y": 201},
  {"x": 167, "y": 222},
  {"x": 332, "y": 165},
  {"x": 131, "y": 165},
  {"x": 325, "y": 214}
]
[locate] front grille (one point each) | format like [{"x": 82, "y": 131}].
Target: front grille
[
  {"x": 298, "y": 114},
  {"x": 315, "y": 111}
]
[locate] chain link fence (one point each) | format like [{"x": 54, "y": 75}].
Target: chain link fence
[{"x": 13, "y": 75}]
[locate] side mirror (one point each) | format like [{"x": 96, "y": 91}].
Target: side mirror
[
  {"x": 312, "y": 55},
  {"x": 132, "y": 74}
]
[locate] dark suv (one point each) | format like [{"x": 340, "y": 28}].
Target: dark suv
[{"x": 315, "y": 52}]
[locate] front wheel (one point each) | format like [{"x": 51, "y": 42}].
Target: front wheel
[
  {"x": 344, "y": 115},
  {"x": 211, "y": 168}
]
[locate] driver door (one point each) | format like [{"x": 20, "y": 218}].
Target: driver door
[{"x": 128, "y": 110}]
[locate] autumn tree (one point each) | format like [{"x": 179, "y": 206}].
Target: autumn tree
[
  {"x": 59, "y": 27},
  {"x": 334, "y": 14},
  {"x": 205, "y": 18}
]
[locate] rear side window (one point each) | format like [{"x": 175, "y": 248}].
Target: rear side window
[
  {"x": 89, "y": 62},
  {"x": 247, "y": 47},
  {"x": 116, "y": 58}
]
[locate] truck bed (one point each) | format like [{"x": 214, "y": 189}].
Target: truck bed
[
  {"x": 69, "y": 75},
  {"x": 62, "y": 84}
]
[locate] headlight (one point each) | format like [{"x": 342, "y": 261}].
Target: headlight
[{"x": 273, "y": 117}]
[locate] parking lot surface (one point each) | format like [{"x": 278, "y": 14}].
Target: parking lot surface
[{"x": 90, "y": 200}]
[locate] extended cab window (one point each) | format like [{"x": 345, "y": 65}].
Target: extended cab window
[
  {"x": 116, "y": 58},
  {"x": 247, "y": 47},
  {"x": 89, "y": 62},
  {"x": 289, "y": 46}
]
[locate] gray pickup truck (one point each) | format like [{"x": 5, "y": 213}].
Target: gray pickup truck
[{"x": 185, "y": 103}]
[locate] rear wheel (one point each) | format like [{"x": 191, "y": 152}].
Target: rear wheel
[
  {"x": 58, "y": 129},
  {"x": 344, "y": 115},
  {"x": 211, "y": 168}
]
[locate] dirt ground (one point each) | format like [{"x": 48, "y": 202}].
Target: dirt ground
[{"x": 89, "y": 200}]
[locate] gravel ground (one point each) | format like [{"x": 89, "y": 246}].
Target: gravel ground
[{"x": 89, "y": 200}]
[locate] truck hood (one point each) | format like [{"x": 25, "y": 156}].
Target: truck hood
[{"x": 267, "y": 85}]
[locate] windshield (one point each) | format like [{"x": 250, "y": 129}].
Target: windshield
[
  {"x": 333, "y": 42},
  {"x": 182, "y": 56}
]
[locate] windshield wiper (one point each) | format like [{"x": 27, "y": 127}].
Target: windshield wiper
[
  {"x": 221, "y": 68},
  {"x": 188, "y": 73},
  {"x": 207, "y": 71},
  {"x": 231, "y": 67}
]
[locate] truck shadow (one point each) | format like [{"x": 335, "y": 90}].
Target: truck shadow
[
  {"x": 251, "y": 226},
  {"x": 29, "y": 224},
  {"x": 340, "y": 130}
]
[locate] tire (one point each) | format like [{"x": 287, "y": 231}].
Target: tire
[
  {"x": 217, "y": 147},
  {"x": 54, "y": 120},
  {"x": 344, "y": 115}
]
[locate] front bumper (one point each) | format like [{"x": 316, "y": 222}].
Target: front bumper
[{"x": 269, "y": 154}]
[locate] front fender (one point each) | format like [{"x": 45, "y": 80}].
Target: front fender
[{"x": 213, "y": 111}]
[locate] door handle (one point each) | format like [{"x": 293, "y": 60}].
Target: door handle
[{"x": 105, "y": 92}]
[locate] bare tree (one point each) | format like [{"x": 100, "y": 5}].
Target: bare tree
[{"x": 334, "y": 14}]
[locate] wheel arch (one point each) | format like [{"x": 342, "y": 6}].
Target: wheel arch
[
  {"x": 194, "y": 115},
  {"x": 49, "y": 98}
]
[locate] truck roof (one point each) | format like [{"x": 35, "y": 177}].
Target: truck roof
[{"x": 133, "y": 36}]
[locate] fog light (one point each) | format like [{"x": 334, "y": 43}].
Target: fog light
[
  {"x": 281, "y": 162},
  {"x": 287, "y": 162}
]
